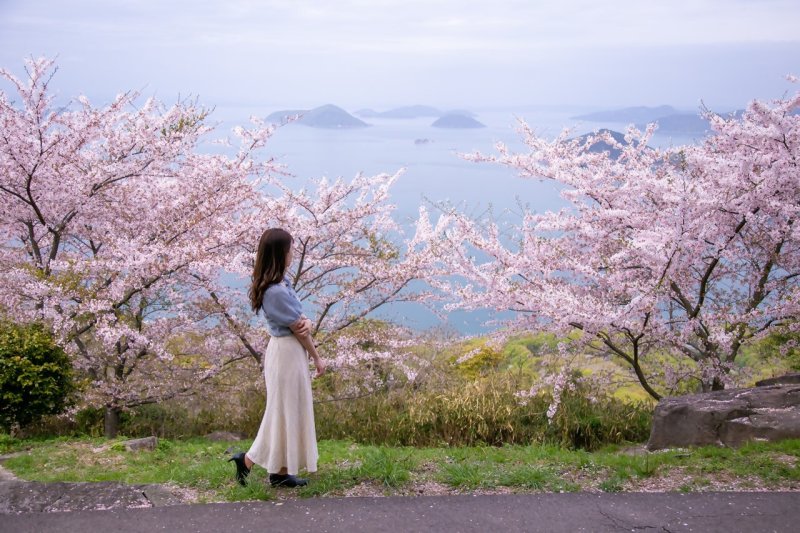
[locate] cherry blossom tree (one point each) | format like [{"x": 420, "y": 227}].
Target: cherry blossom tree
[
  {"x": 109, "y": 215},
  {"x": 136, "y": 248},
  {"x": 689, "y": 251},
  {"x": 351, "y": 258}
]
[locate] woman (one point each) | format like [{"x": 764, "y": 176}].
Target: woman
[{"x": 286, "y": 441}]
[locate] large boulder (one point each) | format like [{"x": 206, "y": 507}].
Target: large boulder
[{"x": 727, "y": 417}]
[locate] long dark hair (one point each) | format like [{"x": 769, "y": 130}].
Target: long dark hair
[{"x": 270, "y": 265}]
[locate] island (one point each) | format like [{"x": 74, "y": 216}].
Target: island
[
  {"x": 457, "y": 121},
  {"x": 681, "y": 124},
  {"x": 465, "y": 112},
  {"x": 669, "y": 120},
  {"x": 285, "y": 115},
  {"x": 367, "y": 113},
  {"x": 603, "y": 146},
  {"x": 327, "y": 116}
]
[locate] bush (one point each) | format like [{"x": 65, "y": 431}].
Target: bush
[
  {"x": 485, "y": 361},
  {"x": 174, "y": 419},
  {"x": 485, "y": 411},
  {"x": 446, "y": 404},
  {"x": 223, "y": 406},
  {"x": 583, "y": 423},
  {"x": 35, "y": 375}
]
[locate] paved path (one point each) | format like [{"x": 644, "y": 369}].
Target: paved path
[{"x": 665, "y": 512}]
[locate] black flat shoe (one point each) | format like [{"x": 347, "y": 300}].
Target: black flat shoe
[
  {"x": 241, "y": 468},
  {"x": 287, "y": 480}
]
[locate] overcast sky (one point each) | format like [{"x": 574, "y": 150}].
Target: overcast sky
[{"x": 378, "y": 53}]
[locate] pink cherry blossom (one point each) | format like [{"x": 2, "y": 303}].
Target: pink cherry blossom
[
  {"x": 136, "y": 247},
  {"x": 690, "y": 251}
]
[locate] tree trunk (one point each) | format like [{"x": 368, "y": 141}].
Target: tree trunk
[
  {"x": 111, "y": 422},
  {"x": 714, "y": 384},
  {"x": 643, "y": 381}
]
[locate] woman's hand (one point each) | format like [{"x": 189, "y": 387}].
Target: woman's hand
[
  {"x": 320, "y": 366},
  {"x": 301, "y": 327}
]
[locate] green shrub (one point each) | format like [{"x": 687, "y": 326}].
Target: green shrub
[
  {"x": 447, "y": 404},
  {"x": 582, "y": 422},
  {"x": 485, "y": 411},
  {"x": 241, "y": 412},
  {"x": 485, "y": 361},
  {"x": 774, "y": 347},
  {"x": 176, "y": 419},
  {"x": 35, "y": 375}
]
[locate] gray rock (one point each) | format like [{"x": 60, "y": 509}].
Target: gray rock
[
  {"x": 48, "y": 497},
  {"x": 147, "y": 443},
  {"x": 158, "y": 495},
  {"x": 36, "y": 497},
  {"x": 786, "y": 379},
  {"x": 727, "y": 418},
  {"x": 224, "y": 436}
]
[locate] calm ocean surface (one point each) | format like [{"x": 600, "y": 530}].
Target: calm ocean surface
[{"x": 434, "y": 172}]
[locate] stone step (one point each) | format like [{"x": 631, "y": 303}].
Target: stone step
[{"x": 35, "y": 497}]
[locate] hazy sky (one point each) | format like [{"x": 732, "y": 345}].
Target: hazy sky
[{"x": 377, "y": 53}]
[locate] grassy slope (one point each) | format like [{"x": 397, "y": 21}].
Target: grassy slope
[
  {"x": 198, "y": 470},
  {"x": 757, "y": 361}
]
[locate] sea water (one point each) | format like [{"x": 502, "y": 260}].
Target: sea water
[{"x": 434, "y": 174}]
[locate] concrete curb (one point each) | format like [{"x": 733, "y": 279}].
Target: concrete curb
[
  {"x": 572, "y": 512},
  {"x": 34, "y": 497}
]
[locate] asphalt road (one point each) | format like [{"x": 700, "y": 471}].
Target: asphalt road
[{"x": 657, "y": 512}]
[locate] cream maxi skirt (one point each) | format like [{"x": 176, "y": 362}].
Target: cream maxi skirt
[{"x": 287, "y": 437}]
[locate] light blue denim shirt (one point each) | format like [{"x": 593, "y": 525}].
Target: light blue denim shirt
[{"x": 281, "y": 308}]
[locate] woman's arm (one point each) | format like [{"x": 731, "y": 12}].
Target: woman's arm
[
  {"x": 285, "y": 309},
  {"x": 301, "y": 329}
]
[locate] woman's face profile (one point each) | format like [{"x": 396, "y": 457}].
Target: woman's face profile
[{"x": 289, "y": 257}]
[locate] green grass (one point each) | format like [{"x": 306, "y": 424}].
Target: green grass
[
  {"x": 532, "y": 477},
  {"x": 612, "y": 484},
  {"x": 199, "y": 466},
  {"x": 388, "y": 466},
  {"x": 467, "y": 475}
]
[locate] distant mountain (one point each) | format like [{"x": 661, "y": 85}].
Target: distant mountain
[
  {"x": 330, "y": 116},
  {"x": 367, "y": 113},
  {"x": 682, "y": 124},
  {"x": 603, "y": 146},
  {"x": 326, "y": 116},
  {"x": 457, "y": 121},
  {"x": 669, "y": 120},
  {"x": 640, "y": 114},
  {"x": 279, "y": 117},
  {"x": 412, "y": 111},
  {"x": 461, "y": 112}
]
